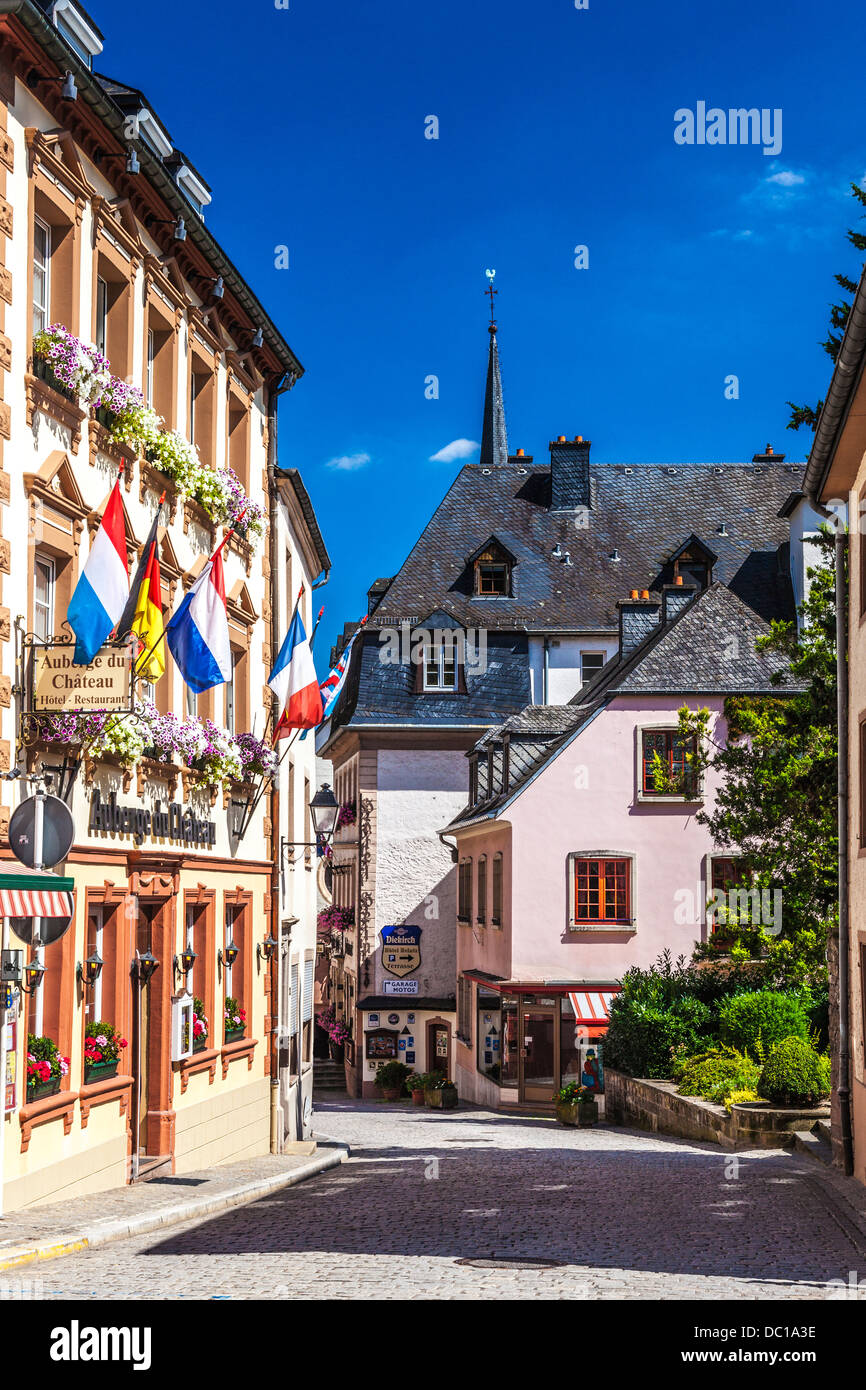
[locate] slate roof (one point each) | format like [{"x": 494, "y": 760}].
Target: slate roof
[
  {"x": 708, "y": 649},
  {"x": 642, "y": 511}
]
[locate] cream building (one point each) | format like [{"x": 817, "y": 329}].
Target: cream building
[{"x": 103, "y": 230}]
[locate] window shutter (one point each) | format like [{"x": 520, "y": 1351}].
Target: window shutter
[
  {"x": 293, "y": 1003},
  {"x": 309, "y": 969}
]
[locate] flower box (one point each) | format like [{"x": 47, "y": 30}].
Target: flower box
[
  {"x": 105, "y": 416},
  {"x": 587, "y": 1113},
  {"x": 232, "y": 1034},
  {"x": 45, "y": 372},
  {"x": 36, "y": 1091},
  {"x": 99, "y": 1071},
  {"x": 433, "y": 1099},
  {"x": 199, "y": 1044}
]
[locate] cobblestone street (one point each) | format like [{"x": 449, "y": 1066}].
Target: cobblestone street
[{"x": 625, "y": 1215}]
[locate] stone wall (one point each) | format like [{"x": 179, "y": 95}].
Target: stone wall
[{"x": 655, "y": 1105}]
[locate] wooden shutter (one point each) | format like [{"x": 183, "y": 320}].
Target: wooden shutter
[{"x": 309, "y": 970}]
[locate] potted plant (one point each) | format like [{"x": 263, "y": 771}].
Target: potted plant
[
  {"x": 200, "y": 1028},
  {"x": 447, "y": 1090},
  {"x": 432, "y": 1091},
  {"x": 45, "y": 1067},
  {"x": 102, "y": 1048},
  {"x": 576, "y": 1105},
  {"x": 235, "y": 1019},
  {"x": 390, "y": 1078},
  {"x": 415, "y": 1087}
]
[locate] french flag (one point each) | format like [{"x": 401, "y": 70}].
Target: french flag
[
  {"x": 294, "y": 682},
  {"x": 101, "y": 593},
  {"x": 198, "y": 633}
]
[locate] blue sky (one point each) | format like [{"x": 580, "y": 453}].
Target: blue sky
[{"x": 555, "y": 130}]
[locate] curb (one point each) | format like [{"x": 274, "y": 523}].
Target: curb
[{"x": 100, "y": 1233}]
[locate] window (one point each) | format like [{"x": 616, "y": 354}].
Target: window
[
  {"x": 293, "y": 1021},
  {"x": 101, "y": 312},
  {"x": 230, "y": 696},
  {"x": 464, "y": 890},
  {"x": 492, "y": 574},
  {"x": 602, "y": 892},
  {"x": 230, "y": 917},
  {"x": 488, "y": 1035},
  {"x": 482, "y": 889},
  {"x": 464, "y": 1008},
  {"x": 43, "y": 597},
  {"x": 590, "y": 665},
  {"x": 41, "y": 275},
  {"x": 440, "y": 663},
  {"x": 151, "y": 355},
  {"x": 93, "y": 994},
  {"x": 726, "y": 874},
  {"x": 672, "y": 749},
  {"x": 202, "y": 414},
  {"x": 496, "y": 912},
  {"x": 307, "y": 1011}
]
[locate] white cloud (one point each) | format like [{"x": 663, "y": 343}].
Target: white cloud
[
  {"x": 348, "y": 463},
  {"x": 457, "y": 449},
  {"x": 786, "y": 178}
]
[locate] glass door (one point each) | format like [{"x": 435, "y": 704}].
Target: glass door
[{"x": 539, "y": 1051}]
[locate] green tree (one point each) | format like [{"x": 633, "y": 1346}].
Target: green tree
[
  {"x": 775, "y": 808},
  {"x": 807, "y": 414}
]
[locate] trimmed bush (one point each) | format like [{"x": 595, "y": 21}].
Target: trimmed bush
[
  {"x": 741, "y": 1098},
  {"x": 756, "y": 1021},
  {"x": 795, "y": 1074},
  {"x": 643, "y": 1037},
  {"x": 715, "y": 1074}
]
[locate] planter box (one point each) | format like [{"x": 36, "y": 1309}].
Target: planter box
[
  {"x": 433, "y": 1099},
  {"x": 587, "y": 1113},
  {"x": 449, "y": 1097},
  {"x": 232, "y": 1034},
  {"x": 100, "y": 1071},
  {"x": 391, "y": 1092},
  {"x": 43, "y": 1088},
  {"x": 45, "y": 372},
  {"x": 417, "y": 1097},
  {"x": 199, "y": 1045},
  {"x": 105, "y": 416},
  {"x": 566, "y": 1113}
]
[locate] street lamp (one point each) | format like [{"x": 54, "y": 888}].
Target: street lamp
[
  {"x": 229, "y": 956},
  {"x": 324, "y": 811},
  {"x": 147, "y": 964},
  {"x": 266, "y": 948},
  {"x": 34, "y": 972},
  {"x": 184, "y": 963}
]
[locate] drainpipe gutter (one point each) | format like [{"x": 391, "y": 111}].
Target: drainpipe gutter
[{"x": 847, "y": 1137}]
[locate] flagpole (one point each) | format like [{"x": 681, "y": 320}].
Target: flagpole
[{"x": 274, "y": 700}]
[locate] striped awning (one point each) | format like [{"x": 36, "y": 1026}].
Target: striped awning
[
  {"x": 27, "y": 893},
  {"x": 592, "y": 1006}
]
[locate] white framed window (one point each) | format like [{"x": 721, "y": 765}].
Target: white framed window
[
  {"x": 602, "y": 891},
  {"x": 440, "y": 665},
  {"x": 43, "y": 596},
  {"x": 93, "y": 995},
  {"x": 590, "y": 665},
  {"x": 41, "y": 275},
  {"x": 151, "y": 354},
  {"x": 231, "y": 911},
  {"x": 230, "y": 696},
  {"x": 101, "y": 312}
]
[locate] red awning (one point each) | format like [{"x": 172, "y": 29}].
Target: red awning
[
  {"x": 31, "y": 902},
  {"x": 592, "y": 1007}
]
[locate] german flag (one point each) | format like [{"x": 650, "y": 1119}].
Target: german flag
[{"x": 142, "y": 615}]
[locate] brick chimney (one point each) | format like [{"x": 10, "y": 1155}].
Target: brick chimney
[
  {"x": 768, "y": 456},
  {"x": 638, "y": 617},
  {"x": 676, "y": 597},
  {"x": 569, "y": 473}
]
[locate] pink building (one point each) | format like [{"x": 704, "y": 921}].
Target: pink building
[{"x": 571, "y": 866}]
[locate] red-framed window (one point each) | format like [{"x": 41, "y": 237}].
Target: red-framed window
[
  {"x": 672, "y": 749},
  {"x": 602, "y": 890}
]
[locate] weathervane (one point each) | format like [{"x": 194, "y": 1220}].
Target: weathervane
[{"x": 491, "y": 291}]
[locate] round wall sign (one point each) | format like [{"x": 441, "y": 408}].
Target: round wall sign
[
  {"x": 58, "y": 832},
  {"x": 393, "y": 1018}
]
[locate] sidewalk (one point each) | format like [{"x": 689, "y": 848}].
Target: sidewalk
[{"x": 61, "y": 1228}]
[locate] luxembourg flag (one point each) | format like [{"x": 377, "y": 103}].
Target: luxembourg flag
[
  {"x": 293, "y": 680},
  {"x": 336, "y": 677},
  {"x": 198, "y": 633},
  {"x": 100, "y": 595}
]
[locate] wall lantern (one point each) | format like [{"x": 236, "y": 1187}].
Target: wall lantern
[
  {"x": 33, "y": 973},
  {"x": 184, "y": 963},
  {"x": 324, "y": 811},
  {"x": 267, "y": 948},
  {"x": 230, "y": 956},
  {"x": 147, "y": 964},
  {"x": 90, "y": 971}
]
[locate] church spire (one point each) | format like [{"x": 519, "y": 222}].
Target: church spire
[{"x": 494, "y": 440}]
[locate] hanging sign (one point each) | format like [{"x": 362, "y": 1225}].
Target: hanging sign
[
  {"x": 401, "y": 949},
  {"x": 58, "y": 686}
]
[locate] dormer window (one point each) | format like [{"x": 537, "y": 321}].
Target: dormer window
[
  {"x": 693, "y": 563},
  {"x": 440, "y": 665},
  {"x": 78, "y": 30},
  {"x": 493, "y": 573}
]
